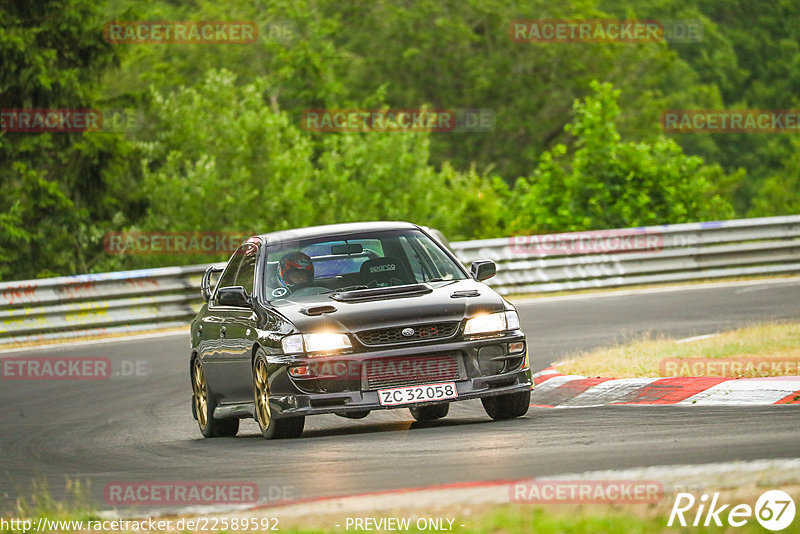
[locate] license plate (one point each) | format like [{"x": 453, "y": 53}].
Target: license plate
[{"x": 411, "y": 394}]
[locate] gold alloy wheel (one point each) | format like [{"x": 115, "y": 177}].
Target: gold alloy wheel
[
  {"x": 200, "y": 394},
  {"x": 263, "y": 413}
]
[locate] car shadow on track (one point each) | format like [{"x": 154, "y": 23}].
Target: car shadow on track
[
  {"x": 350, "y": 429},
  {"x": 371, "y": 428}
]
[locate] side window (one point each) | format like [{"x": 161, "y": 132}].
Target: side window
[
  {"x": 229, "y": 274},
  {"x": 432, "y": 256},
  {"x": 247, "y": 268}
]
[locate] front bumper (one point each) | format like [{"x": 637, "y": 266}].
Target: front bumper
[
  {"x": 297, "y": 405},
  {"x": 291, "y": 397}
]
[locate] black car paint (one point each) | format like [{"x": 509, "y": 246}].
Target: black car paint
[{"x": 225, "y": 338}]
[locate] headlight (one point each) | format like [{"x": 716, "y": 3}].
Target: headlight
[
  {"x": 326, "y": 342},
  {"x": 493, "y": 322},
  {"x": 297, "y": 343}
]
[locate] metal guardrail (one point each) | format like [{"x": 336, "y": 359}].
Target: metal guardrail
[
  {"x": 76, "y": 306},
  {"x": 682, "y": 252},
  {"x": 90, "y": 304}
]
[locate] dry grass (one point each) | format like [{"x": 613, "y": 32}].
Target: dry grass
[{"x": 763, "y": 350}]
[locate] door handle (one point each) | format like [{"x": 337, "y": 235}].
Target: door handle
[{"x": 222, "y": 332}]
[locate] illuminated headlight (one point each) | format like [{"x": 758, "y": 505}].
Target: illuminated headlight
[
  {"x": 494, "y": 322},
  {"x": 298, "y": 343},
  {"x": 326, "y": 342}
]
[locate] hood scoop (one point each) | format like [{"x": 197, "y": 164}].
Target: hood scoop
[
  {"x": 382, "y": 293},
  {"x": 318, "y": 310},
  {"x": 465, "y": 293}
]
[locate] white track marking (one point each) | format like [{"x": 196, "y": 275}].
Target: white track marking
[{"x": 696, "y": 338}]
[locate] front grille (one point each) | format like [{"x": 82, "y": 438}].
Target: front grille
[
  {"x": 412, "y": 371},
  {"x": 422, "y": 332}
]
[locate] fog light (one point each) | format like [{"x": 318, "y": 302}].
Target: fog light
[
  {"x": 517, "y": 346},
  {"x": 299, "y": 371}
]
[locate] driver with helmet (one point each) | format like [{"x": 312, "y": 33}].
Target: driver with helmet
[{"x": 295, "y": 271}]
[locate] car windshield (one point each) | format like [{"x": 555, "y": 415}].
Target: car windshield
[{"x": 357, "y": 261}]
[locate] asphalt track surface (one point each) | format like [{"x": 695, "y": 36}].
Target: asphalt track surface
[{"x": 139, "y": 428}]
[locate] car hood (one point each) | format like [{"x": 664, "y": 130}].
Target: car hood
[{"x": 446, "y": 301}]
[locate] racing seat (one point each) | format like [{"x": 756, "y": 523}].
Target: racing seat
[{"x": 384, "y": 272}]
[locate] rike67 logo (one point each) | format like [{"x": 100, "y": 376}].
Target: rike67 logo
[{"x": 774, "y": 510}]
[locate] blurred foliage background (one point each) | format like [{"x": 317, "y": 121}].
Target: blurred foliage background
[{"x": 218, "y": 146}]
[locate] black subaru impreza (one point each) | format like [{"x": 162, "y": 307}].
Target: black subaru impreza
[{"x": 351, "y": 318}]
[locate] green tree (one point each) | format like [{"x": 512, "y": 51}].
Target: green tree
[
  {"x": 780, "y": 194},
  {"x": 607, "y": 183},
  {"x": 59, "y": 192},
  {"x": 750, "y": 54},
  {"x": 222, "y": 158}
]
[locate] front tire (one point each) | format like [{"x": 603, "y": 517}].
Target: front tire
[
  {"x": 429, "y": 413},
  {"x": 270, "y": 427},
  {"x": 204, "y": 405},
  {"x": 508, "y": 406}
]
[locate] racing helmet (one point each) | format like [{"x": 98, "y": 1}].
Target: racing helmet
[{"x": 295, "y": 270}]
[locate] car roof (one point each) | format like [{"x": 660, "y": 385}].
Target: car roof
[{"x": 334, "y": 230}]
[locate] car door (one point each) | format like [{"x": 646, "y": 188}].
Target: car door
[
  {"x": 213, "y": 331},
  {"x": 240, "y": 325}
]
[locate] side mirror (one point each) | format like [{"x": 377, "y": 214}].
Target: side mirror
[
  {"x": 205, "y": 283},
  {"x": 482, "y": 269},
  {"x": 233, "y": 296}
]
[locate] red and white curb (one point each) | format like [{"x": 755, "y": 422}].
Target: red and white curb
[{"x": 556, "y": 390}]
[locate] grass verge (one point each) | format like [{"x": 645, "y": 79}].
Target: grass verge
[
  {"x": 771, "y": 349},
  {"x": 463, "y": 518},
  {"x": 502, "y": 519},
  {"x": 526, "y": 519}
]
